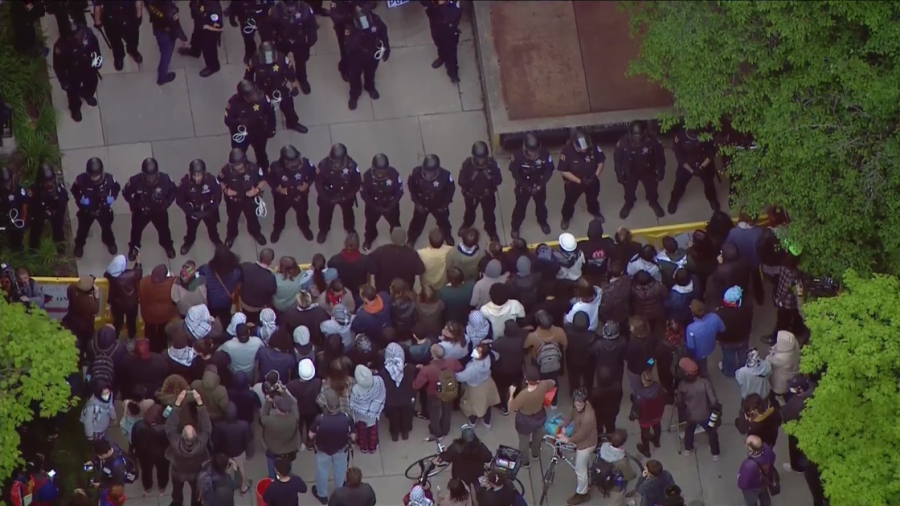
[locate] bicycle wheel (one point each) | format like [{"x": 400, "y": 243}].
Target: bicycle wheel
[
  {"x": 417, "y": 469},
  {"x": 519, "y": 487},
  {"x": 549, "y": 475}
]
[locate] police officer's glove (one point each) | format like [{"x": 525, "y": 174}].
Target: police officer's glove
[
  {"x": 85, "y": 201},
  {"x": 295, "y": 92},
  {"x": 233, "y": 21},
  {"x": 386, "y": 55},
  {"x": 272, "y": 133},
  {"x": 109, "y": 200}
]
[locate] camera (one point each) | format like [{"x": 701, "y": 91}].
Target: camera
[{"x": 272, "y": 386}]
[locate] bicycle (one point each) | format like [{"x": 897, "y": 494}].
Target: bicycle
[
  {"x": 427, "y": 467},
  {"x": 565, "y": 452}
]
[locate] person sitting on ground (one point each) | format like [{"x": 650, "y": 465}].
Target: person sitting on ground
[
  {"x": 354, "y": 492},
  {"x": 466, "y": 255},
  {"x": 336, "y": 294},
  {"x": 670, "y": 260},
  {"x": 653, "y": 483},
  {"x": 613, "y": 452},
  {"x": 434, "y": 258},
  {"x": 645, "y": 261},
  {"x": 457, "y": 295},
  {"x": 499, "y": 310},
  {"x": 189, "y": 288}
]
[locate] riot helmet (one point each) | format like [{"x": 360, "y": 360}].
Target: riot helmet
[
  {"x": 46, "y": 176},
  {"x": 290, "y": 157},
  {"x": 267, "y": 50},
  {"x": 237, "y": 159},
  {"x": 380, "y": 164},
  {"x": 338, "y": 156},
  {"x": 249, "y": 91},
  {"x": 431, "y": 167},
  {"x": 531, "y": 146},
  {"x": 362, "y": 18},
  {"x": 150, "y": 171},
  {"x": 6, "y": 177},
  {"x": 581, "y": 140},
  {"x": 291, "y": 6},
  {"x": 480, "y": 154},
  {"x": 94, "y": 169},
  {"x": 638, "y": 131},
  {"x": 197, "y": 170},
  {"x": 72, "y": 24}
]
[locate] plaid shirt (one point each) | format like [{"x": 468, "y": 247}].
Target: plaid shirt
[
  {"x": 345, "y": 399},
  {"x": 784, "y": 295}
]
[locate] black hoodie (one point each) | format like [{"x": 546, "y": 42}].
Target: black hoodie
[
  {"x": 232, "y": 436},
  {"x": 149, "y": 441},
  {"x": 305, "y": 392},
  {"x": 578, "y": 352},
  {"x": 597, "y": 250},
  {"x": 733, "y": 271},
  {"x": 610, "y": 353},
  {"x": 511, "y": 348}
]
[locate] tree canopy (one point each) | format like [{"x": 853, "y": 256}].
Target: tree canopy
[
  {"x": 36, "y": 357},
  {"x": 816, "y": 84},
  {"x": 849, "y": 425}
]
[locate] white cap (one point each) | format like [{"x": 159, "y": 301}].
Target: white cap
[
  {"x": 306, "y": 369},
  {"x": 567, "y": 242}
]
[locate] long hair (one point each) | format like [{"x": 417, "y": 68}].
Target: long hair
[
  {"x": 318, "y": 266},
  {"x": 400, "y": 290},
  {"x": 224, "y": 262},
  {"x": 338, "y": 376},
  {"x": 288, "y": 268}
]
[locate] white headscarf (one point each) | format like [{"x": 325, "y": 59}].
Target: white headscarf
[
  {"x": 266, "y": 324},
  {"x": 117, "y": 266},
  {"x": 199, "y": 321},
  {"x": 417, "y": 497},
  {"x": 394, "y": 360},
  {"x": 237, "y": 319}
]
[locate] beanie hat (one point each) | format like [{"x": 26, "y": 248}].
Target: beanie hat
[
  {"x": 610, "y": 330},
  {"x": 733, "y": 296},
  {"x": 363, "y": 376},
  {"x": 301, "y": 335}
]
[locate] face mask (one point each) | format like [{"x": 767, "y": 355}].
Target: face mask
[
  {"x": 476, "y": 355},
  {"x": 269, "y": 57},
  {"x": 582, "y": 143},
  {"x": 105, "y": 397},
  {"x": 364, "y": 23}
]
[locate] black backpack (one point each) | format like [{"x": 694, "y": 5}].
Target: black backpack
[
  {"x": 527, "y": 291},
  {"x": 606, "y": 476},
  {"x": 102, "y": 367}
]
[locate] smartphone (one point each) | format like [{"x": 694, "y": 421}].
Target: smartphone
[
  {"x": 51, "y": 473},
  {"x": 167, "y": 411},
  {"x": 89, "y": 467}
]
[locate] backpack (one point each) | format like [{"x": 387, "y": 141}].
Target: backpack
[
  {"x": 102, "y": 366},
  {"x": 447, "y": 387},
  {"x": 606, "y": 476},
  {"x": 549, "y": 358},
  {"x": 129, "y": 469}
]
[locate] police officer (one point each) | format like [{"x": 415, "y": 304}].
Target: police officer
[
  {"x": 431, "y": 188},
  {"x": 640, "y": 158},
  {"x": 48, "y": 199},
  {"x": 580, "y": 164},
  {"x": 531, "y": 169},
  {"x": 207, "y": 16},
  {"x": 337, "y": 182},
  {"x": 13, "y": 210},
  {"x": 120, "y": 19},
  {"x": 94, "y": 192},
  {"x": 251, "y": 16},
  {"x": 367, "y": 45},
  {"x": 341, "y": 13},
  {"x": 295, "y": 31},
  {"x": 149, "y": 194},
  {"x": 241, "y": 182},
  {"x": 382, "y": 189},
  {"x": 77, "y": 62},
  {"x": 199, "y": 195},
  {"x": 166, "y": 30},
  {"x": 290, "y": 178},
  {"x": 250, "y": 117},
  {"x": 271, "y": 71},
  {"x": 479, "y": 179},
  {"x": 443, "y": 19},
  {"x": 63, "y": 10},
  {"x": 695, "y": 158}
]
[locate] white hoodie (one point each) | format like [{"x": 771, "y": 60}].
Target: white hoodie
[
  {"x": 591, "y": 308},
  {"x": 499, "y": 315}
]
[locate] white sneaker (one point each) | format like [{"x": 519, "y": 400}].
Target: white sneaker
[
  {"x": 787, "y": 467},
  {"x": 720, "y": 367},
  {"x": 687, "y": 453},
  {"x": 487, "y": 426},
  {"x": 715, "y": 458}
]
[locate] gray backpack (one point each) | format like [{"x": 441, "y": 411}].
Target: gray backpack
[{"x": 549, "y": 358}]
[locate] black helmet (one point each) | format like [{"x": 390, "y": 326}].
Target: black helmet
[
  {"x": 581, "y": 140},
  {"x": 580, "y": 394},
  {"x": 480, "y": 153},
  {"x": 150, "y": 170},
  {"x": 94, "y": 168},
  {"x": 381, "y": 162},
  {"x": 6, "y": 175},
  {"x": 431, "y": 167},
  {"x": 197, "y": 166},
  {"x": 46, "y": 173},
  {"x": 362, "y": 17},
  {"x": 72, "y": 24},
  {"x": 290, "y": 156},
  {"x": 248, "y": 91},
  {"x": 637, "y": 130},
  {"x": 267, "y": 51},
  {"x": 237, "y": 157},
  {"x": 531, "y": 146},
  {"x": 338, "y": 156}
]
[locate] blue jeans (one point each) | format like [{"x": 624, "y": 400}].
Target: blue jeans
[
  {"x": 166, "y": 48},
  {"x": 733, "y": 357},
  {"x": 324, "y": 463},
  {"x": 270, "y": 464}
]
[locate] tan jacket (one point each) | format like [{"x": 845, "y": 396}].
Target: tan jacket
[{"x": 585, "y": 434}]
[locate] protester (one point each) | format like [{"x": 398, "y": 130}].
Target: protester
[
  {"x": 303, "y": 348},
  {"x": 737, "y": 318},
  {"x": 315, "y": 280},
  {"x": 286, "y": 486},
  {"x": 223, "y": 282},
  {"x": 367, "y": 400},
  {"x": 214, "y": 395},
  {"x": 332, "y": 349},
  {"x": 678, "y": 302},
  {"x": 648, "y": 297},
  {"x": 363, "y": 353},
  {"x": 466, "y": 256},
  {"x": 214, "y": 478},
  {"x": 399, "y": 402},
  {"x": 507, "y": 372},
  {"x": 613, "y": 452},
  {"x": 802, "y": 389},
  {"x": 607, "y": 398},
  {"x": 168, "y": 394},
  {"x": 733, "y": 271},
  {"x": 467, "y": 456},
  {"x": 587, "y": 300},
  {"x": 287, "y": 284},
  {"x": 84, "y": 304},
  {"x": 233, "y": 437},
  {"x": 457, "y": 295},
  {"x": 701, "y": 260},
  {"x": 785, "y": 360},
  {"x": 278, "y": 356},
  {"x": 648, "y": 408},
  {"x": 354, "y": 492},
  {"x": 701, "y": 335},
  {"x": 759, "y": 417},
  {"x": 528, "y": 405},
  {"x": 499, "y": 309},
  {"x": 615, "y": 304},
  {"x": 242, "y": 395},
  {"x": 308, "y": 314},
  {"x": 640, "y": 352},
  {"x": 481, "y": 391},
  {"x": 187, "y": 449},
  {"x": 498, "y": 492},
  {"x": 106, "y": 356},
  {"x": 429, "y": 313},
  {"x": 278, "y": 418},
  {"x": 579, "y": 363},
  {"x": 375, "y": 314},
  {"x": 457, "y": 494},
  {"x": 609, "y": 352},
  {"x": 149, "y": 442},
  {"x": 755, "y": 471},
  {"x": 334, "y": 295},
  {"x": 353, "y": 266},
  {"x": 157, "y": 308},
  {"x": 189, "y": 288},
  {"x": 419, "y": 496},
  {"x": 339, "y": 382},
  {"x": 439, "y": 403},
  {"x": 453, "y": 340},
  {"x": 653, "y": 483},
  {"x": 180, "y": 354},
  {"x": 493, "y": 274},
  {"x": 645, "y": 261},
  {"x": 242, "y": 349},
  {"x": 332, "y": 433},
  {"x": 29, "y": 292},
  {"x": 526, "y": 286},
  {"x": 434, "y": 258},
  {"x": 668, "y": 351},
  {"x": 597, "y": 251},
  {"x": 546, "y": 265},
  {"x": 340, "y": 323},
  {"x": 548, "y": 346},
  {"x": 754, "y": 376},
  {"x": 267, "y": 325},
  {"x": 305, "y": 388},
  {"x": 403, "y": 309},
  {"x": 258, "y": 285},
  {"x": 584, "y": 437},
  {"x": 124, "y": 292},
  {"x": 518, "y": 248},
  {"x": 99, "y": 412},
  {"x": 206, "y": 355},
  {"x": 698, "y": 399},
  {"x": 746, "y": 236},
  {"x": 395, "y": 261},
  {"x": 670, "y": 260},
  {"x": 569, "y": 257},
  {"x": 197, "y": 325}
]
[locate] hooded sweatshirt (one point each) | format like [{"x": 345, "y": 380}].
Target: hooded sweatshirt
[
  {"x": 214, "y": 395},
  {"x": 499, "y": 315},
  {"x": 97, "y": 415},
  {"x": 580, "y": 338},
  {"x": 280, "y": 434},
  {"x": 638, "y": 264},
  {"x": 753, "y": 378},
  {"x": 233, "y": 436},
  {"x": 698, "y": 398},
  {"x": 785, "y": 360},
  {"x": 123, "y": 284},
  {"x": 157, "y": 307},
  {"x": 525, "y": 285},
  {"x": 187, "y": 458},
  {"x": 592, "y": 309},
  {"x": 678, "y": 304},
  {"x": 493, "y": 274},
  {"x": 244, "y": 399},
  {"x": 466, "y": 260},
  {"x": 596, "y": 250},
  {"x": 765, "y": 424},
  {"x": 340, "y": 323},
  {"x": 652, "y": 402},
  {"x": 373, "y": 317},
  {"x": 511, "y": 348},
  {"x": 669, "y": 262}
]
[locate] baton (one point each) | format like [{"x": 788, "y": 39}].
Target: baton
[{"x": 105, "y": 38}]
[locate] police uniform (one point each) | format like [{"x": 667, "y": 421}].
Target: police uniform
[
  {"x": 235, "y": 205},
  {"x": 47, "y": 205},
  {"x": 205, "y": 42},
  {"x": 120, "y": 22},
  {"x": 94, "y": 201},
  {"x": 150, "y": 204},
  {"x": 295, "y": 31},
  {"x": 443, "y": 19},
  {"x": 382, "y": 198},
  {"x": 365, "y": 50},
  {"x": 62, "y": 9},
  {"x": 698, "y": 155},
  {"x": 430, "y": 197},
  {"x": 258, "y": 119},
  {"x": 77, "y": 62},
  {"x": 24, "y": 14},
  {"x": 250, "y": 16},
  {"x": 166, "y": 30},
  {"x": 644, "y": 163},
  {"x": 337, "y": 187},
  {"x": 14, "y": 214},
  {"x": 479, "y": 187},
  {"x": 200, "y": 202},
  {"x": 290, "y": 190},
  {"x": 272, "y": 78},
  {"x": 531, "y": 177},
  {"x": 583, "y": 166},
  {"x": 341, "y": 13}
]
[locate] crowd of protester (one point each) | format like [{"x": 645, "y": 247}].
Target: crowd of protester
[{"x": 321, "y": 356}]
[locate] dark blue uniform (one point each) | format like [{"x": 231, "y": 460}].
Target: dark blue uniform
[
  {"x": 77, "y": 62},
  {"x": 365, "y": 50},
  {"x": 382, "y": 198},
  {"x": 166, "y": 29},
  {"x": 584, "y": 167},
  {"x": 259, "y": 121},
  {"x": 235, "y": 205},
  {"x": 430, "y": 197},
  {"x": 94, "y": 201},
  {"x": 200, "y": 202},
  {"x": 203, "y": 41},
  {"x": 47, "y": 204},
  {"x": 479, "y": 187},
  {"x": 443, "y": 19},
  {"x": 295, "y": 31},
  {"x": 692, "y": 152},
  {"x": 341, "y": 13},
  {"x": 272, "y": 77},
  {"x": 337, "y": 187},
  {"x": 14, "y": 214},
  {"x": 644, "y": 163},
  {"x": 121, "y": 23},
  {"x": 150, "y": 204},
  {"x": 290, "y": 190},
  {"x": 251, "y": 16},
  {"x": 531, "y": 177}
]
